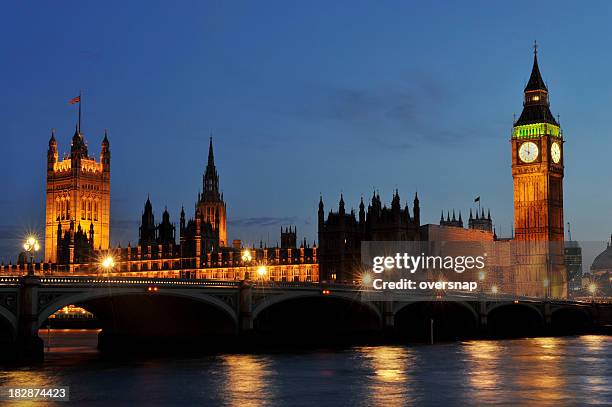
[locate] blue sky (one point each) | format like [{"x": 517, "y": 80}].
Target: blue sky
[{"x": 302, "y": 98}]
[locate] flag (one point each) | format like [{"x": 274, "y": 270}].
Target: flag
[
  {"x": 75, "y": 100},
  {"x": 477, "y": 199}
]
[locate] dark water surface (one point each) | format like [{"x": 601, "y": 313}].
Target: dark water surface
[{"x": 538, "y": 371}]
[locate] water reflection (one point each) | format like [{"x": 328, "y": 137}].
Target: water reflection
[
  {"x": 538, "y": 371},
  {"x": 248, "y": 380},
  {"x": 388, "y": 380},
  {"x": 483, "y": 360},
  {"x": 542, "y": 379}
]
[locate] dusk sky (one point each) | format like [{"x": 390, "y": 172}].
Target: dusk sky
[{"x": 302, "y": 99}]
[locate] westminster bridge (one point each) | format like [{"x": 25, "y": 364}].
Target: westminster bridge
[{"x": 147, "y": 309}]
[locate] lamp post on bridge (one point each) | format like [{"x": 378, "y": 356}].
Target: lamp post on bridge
[
  {"x": 262, "y": 271},
  {"x": 592, "y": 290},
  {"x": 246, "y": 260},
  {"x": 31, "y": 246},
  {"x": 481, "y": 278},
  {"x": 108, "y": 263}
]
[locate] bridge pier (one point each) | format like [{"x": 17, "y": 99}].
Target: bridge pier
[
  {"x": 245, "y": 308},
  {"x": 482, "y": 318},
  {"x": 388, "y": 322},
  {"x": 29, "y": 346},
  {"x": 547, "y": 316}
]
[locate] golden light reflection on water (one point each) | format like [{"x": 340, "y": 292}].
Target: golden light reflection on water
[
  {"x": 389, "y": 382},
  {"x": 26, "y": 378},
  {"x": 594, "y": 343},
  {"x": 483, "y": 364},
  {"x": 247, "y": 380},
  {"x": 543, "y": 378}
]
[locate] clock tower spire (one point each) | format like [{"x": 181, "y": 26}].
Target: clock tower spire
[{"x": 537, "y": 171}]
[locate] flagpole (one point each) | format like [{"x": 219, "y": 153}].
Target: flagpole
[{"x": 80, "y": 99}]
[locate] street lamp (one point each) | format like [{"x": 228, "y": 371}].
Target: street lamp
[
  {"x": 31, "y": 246},
  {"x": 262, "y": 271},
  {"x": 366, "y": 279},
  {"x": 546, "y": 285},
  {"x": 246, "y": 259},
  {"x": 593, "y": 290},
  {"x": 108, "y": 263},
  {"x": 481, "y": 277}
]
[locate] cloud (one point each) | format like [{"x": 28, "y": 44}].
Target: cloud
[
  {"x": 264, "y": 221},
  {"x": 397, "y": 115}
]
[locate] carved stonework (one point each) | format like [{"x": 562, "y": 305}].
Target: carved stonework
[
  {"x": 229, "y": 299},
  {"x": 9, "y": 301},
  {"x": 46, "y": 298},
  {"x": 259, "y": 298}
]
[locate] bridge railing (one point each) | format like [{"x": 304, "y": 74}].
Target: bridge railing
[
  {"x": 100, "y": 280},
  {"x": 328, "y": 288},
  {"x": 11, "y": 280}
]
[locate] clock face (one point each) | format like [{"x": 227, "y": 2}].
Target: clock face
[
  {"x": 555, "y": 152},
  {"x": 528, "y": 152}
]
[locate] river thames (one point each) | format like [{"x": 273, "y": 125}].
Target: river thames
[{"x": 574, "y": 370}]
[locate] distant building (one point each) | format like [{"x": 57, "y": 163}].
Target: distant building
[
  {"x": 601, "y": 271},
  {"x": 480, "y": 222},
  {"x": 573, "y": 265},
  {"x": 341, "y": 234},
  {"x": 456, "y": 222}
]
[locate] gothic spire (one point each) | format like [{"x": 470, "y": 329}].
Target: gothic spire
[
  {"x": 536, "y": 105},
  {"x": 535, "y": 80},
  {"x": 211, "y": 156},
  {"x": 211, "y": 178}
]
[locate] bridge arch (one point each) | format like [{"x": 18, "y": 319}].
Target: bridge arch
[
  {"x": 279, "y": 298},
  {"x": 8, "y": 320},
  {"x": 401, "y": 305},
  {"x": 515, "y": 319},
  {"x": 521, "y": 304},
  {"x": 312, "y": 318},
  {"x": 84, "y": 297},
  {"x": 449, "y": 320},
  {"x": 570, "y": 320}
]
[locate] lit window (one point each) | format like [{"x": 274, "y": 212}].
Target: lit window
[{"x": 536, "y": 98}]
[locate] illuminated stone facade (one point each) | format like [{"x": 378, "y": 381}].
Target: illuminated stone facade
[
  {"x": 210, "y": 206},
  {"x": 537, "y": 171},
  {"x": 78, "y": 199},
  {"x": 78, "y": 205}
]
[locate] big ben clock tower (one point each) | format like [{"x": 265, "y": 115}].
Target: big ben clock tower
[{"x": 537, "y": 170}]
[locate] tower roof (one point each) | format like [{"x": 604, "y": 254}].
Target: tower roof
[
  {"x": 535, "y": 80},
  {"x": 536, "y": 106},
  {"x": 211, "y": 156},
  {"x": 211, "y": 178}
]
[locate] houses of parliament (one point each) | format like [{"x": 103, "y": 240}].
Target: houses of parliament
[{"x": 77, "y": 226}]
